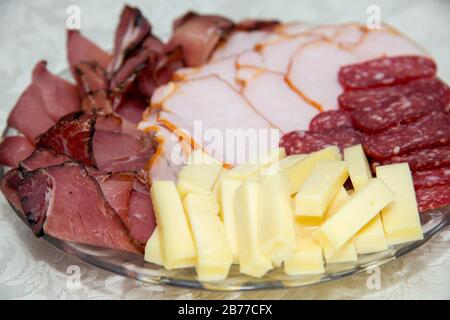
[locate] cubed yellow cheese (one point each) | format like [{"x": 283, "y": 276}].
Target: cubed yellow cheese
[
  {"x": 371, "y": 237},
  {"x": 227, "y": 189},
  {"x": 307, "y": 256},
  {"x": 153, "y": 251},
  {"x": 401, "y": 218},
  {"x": 276, "y": 232},
  {"x": 251, "y": 261},
  {"x": 298, "y": 171},
  {"x": 271, "y": 156},
  {"x": 255, "y": 166},
  {"x": 216, "y": 187},
  {"x": 319, "y": 188},
  {"x": 362, "y": 206},
  {"x": 283, "y": 164},
  {"x": 213, "y": 251},
  {"x": 199, "y": 175},
  {"x": 178, "y": 249},
  {"x": 244, "y": 171},
  {"x": 346, "y": 253}
]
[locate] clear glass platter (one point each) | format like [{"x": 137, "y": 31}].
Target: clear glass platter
[{"x": 134, "y": 266}]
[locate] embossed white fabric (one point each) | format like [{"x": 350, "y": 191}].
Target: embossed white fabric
[{"x": 30, "y": 268}]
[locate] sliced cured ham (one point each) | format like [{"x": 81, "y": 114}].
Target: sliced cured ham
[
  {"x": 43, "y": 158},
  {"x": 8, "y": 186},
  {"x": 225, "y": 69},
  {"x": 276, "y": 55},
  {"x": 67, "y": 203},
  {"x": 386, "y": 42},
  {"x": 313, "y": 72},
  {"x": 238, "y": 42},
  {"x": 198, "y": 36},
  {"x": 246, "y": 74},
  {"x": 80, "y": 49},
  {"x": 59, "y": 96},
  {"x": 214, "y": 107},
  {"x": 14, "y": 149},
  {"x": 294, "y": 28},
  {"x": 285, "y": 108}
]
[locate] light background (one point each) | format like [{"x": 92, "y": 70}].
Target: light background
[{"x": 34, "y": 30}]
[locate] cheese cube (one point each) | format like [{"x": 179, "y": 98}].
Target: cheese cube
[
  {"x": 227, "y": 190},
  {"x": 371, "y": 237},
  {"x": 401, "y": 219},
  {"x": 199, "y": 175},
  {"x": 283, "y": 164},
  {"x": 213, "y": 251},
  {"x": 346, "y": 253},
  {"x": 362, "y": 206},
  {"x": 319, "y": 188},
  {"x": 307, "y": 256},
  {"x": 178, "y": 249},
  {"x": 261, "y": 162},
  {"x": 271, "y": 156},
  {"x": 358, "y": 166},
  {"x": 298, "y": 172},
  {"x": 153, "y": 251},
  {"x": 244, "y": 171},
  {"x": 276, "y": 232},
  {"x": 251, "y": 261}
]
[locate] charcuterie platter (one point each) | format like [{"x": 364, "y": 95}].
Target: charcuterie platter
[{"x": 235, "y": 155}]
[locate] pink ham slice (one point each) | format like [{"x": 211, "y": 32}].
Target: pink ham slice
[
  {"x": 213, "y": 103},
  {"x": 225, "y": 69},
  {"x": 14, "y": 149},
  {"x": 294, "y": 28},
  {"x": 65, "y": 202},
  {"x": 80, "y": 49},
  {"x": 8, "y": 186},
  {"x": 386, "y": 42},
  {"x": 314, "y": 69},
  {"x": 285, "y": 108},
  {"x": 238, "y": 42}
]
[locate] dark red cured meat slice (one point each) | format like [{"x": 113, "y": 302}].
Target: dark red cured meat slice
[
  {"x": 378, "y": 117},
  {"x": 133, "y": 28},
  {"x": 60, "y": 97},
  {"x": 115, "y": 151},
  {"x": 431, "y": 177},
  {"x": 29, "y": 115},
  {"x": 9, "y": 184},
  {"x": 108, "y": 122},
  {"x": 72, "y": 138},
  {"x": 416, "y": 93},
  {"x": 422, "y": 159},
  {"x": 142, "y": 219},
  {"x": 79, "y": 49},
  {"x": 331, "y": 119},
  {"x": 67, "y": 203},
  {"x": 253, "y": 25},
  {"x": 434, "y": 197},
  {"x": 131, "y": 107},
  {"x": 431, "y": 130},
  {"x": 42, "y": 158},
  {"x": 297, "y": 142},
  {"x": 98, "y": 100},
  {"x": 14, "y": 149},
  {"x": 198, "y": 36},
  {"x": 90, "y": 77},
  {"x": 386, "y": 71}
]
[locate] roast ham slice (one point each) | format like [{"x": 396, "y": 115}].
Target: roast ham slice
[
  {"x": 14, "y": 149},
  {"x": 65, "y": 202}
]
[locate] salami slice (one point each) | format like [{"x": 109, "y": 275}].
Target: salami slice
[
  {"x": 421, "y": 159},
  {"x": 431, "y": 177},
  {"x": 297, "y": 142},
  {"x": 433, "y": 197},
  {"x": 431, "y": 130},
  {"x": 413, "y": 95},
  {"x": 331, "y": 119},
  {"x": 386, "y": 71}
]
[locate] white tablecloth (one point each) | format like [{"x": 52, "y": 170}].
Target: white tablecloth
[{"x": 33, "y": 30}]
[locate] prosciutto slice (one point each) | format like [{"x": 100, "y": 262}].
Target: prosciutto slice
[
  {"x": 80, "y": 49},
  {"x": 42, "y": 158},
  {"x": 14, "y": 149},
  {"x": 285, "y": 108},
  {"x": 65, "y": 202}
]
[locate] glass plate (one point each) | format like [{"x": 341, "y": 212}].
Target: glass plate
[{"x": 134, "y": 266}]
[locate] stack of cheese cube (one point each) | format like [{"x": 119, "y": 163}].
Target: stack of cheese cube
[{"x": 291, "y": 212}]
